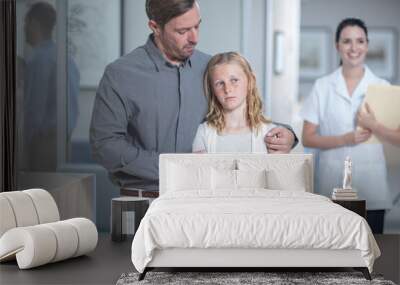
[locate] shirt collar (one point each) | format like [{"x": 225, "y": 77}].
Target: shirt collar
[
  {"x": 158, "y": 58},
  {"x": 364, "y": 83},
  {"x": 341, "y": 88},
  {"x": 340, "y": 84}
]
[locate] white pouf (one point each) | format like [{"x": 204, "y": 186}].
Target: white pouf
[{"x": 31, "y": 232}]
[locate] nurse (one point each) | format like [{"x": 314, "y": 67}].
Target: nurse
[{"x": 329, "y": 115}]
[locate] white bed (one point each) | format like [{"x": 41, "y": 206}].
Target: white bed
[{"x": 247, "y": 210}]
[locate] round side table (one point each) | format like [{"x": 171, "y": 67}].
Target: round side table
[{"x": 127, "y": 212}]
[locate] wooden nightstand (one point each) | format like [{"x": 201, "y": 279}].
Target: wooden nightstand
[{"x": 357, "y": 206}]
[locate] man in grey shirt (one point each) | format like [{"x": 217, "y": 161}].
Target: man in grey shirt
[{"x": 151, "y": 100}]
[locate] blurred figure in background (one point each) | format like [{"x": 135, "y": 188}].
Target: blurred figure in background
[{"x": 40, "y": 90}]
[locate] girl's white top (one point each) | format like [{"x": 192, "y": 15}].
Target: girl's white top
[{"x": 207, "y": 139}]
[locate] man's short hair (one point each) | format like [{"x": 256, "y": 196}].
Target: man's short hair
[
  {"x": 162, "y": 11},
  {"x": 44, "y": 14}
]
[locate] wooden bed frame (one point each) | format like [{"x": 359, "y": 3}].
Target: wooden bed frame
[{"x": 246, "y": 258}]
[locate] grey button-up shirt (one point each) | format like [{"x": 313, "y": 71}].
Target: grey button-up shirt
[{"x": 145, "y": 106}]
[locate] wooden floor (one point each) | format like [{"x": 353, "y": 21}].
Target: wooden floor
[
  {"x": 111, "y": 259},
  {"x": 103, "y": 266},
  {"x": 389, "y": 262}
]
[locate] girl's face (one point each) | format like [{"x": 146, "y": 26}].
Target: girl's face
[
  {"x": 229, "y": 85},
  {"x": 352, "y": 46}
]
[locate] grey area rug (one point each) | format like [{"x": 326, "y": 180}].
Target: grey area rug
[{"x": 229, "y": 278}]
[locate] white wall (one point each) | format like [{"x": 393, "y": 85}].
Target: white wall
[
  {"x": 221, "y": 26},
  {"x": 135, "y": 30},
  {"x": 284, "y": 86}
]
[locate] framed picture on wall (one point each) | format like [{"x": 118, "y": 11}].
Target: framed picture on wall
[
  {"x": 94, "y": 37},
  {"x": 381, "y": 57},
  {"x": 315, "y": 48}
]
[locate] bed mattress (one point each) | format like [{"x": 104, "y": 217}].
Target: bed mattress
[{"x": 251, "y": 219}]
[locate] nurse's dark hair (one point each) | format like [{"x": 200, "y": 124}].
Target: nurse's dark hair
[
  {"x": 350, "y": 22},
  {"x": 162, "y": 11}
]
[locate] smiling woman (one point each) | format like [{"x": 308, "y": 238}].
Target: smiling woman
[
  {"x": 352, "y": 45},
  {"x": 329, "y": 115}
]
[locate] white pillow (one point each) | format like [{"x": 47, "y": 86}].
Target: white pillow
[
  {"x": 293, "y": 178},
  {"x": 229, "y": 179},
  {"x": 188, "y": 177},
  {"x": 223, "y": 179},
  {"x": 251, "y": 178},
  {"x": 281, "y": 174}
]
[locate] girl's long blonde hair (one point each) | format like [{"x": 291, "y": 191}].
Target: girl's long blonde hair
[{"x": 215, "y": 115}]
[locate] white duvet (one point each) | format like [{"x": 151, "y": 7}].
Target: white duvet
[{"x": 252, "y": 218}]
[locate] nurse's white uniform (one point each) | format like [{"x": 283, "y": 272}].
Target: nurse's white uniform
[{"x": 330, "y": 107}]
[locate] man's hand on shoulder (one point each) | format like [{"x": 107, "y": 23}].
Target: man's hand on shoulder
[{"x": 279, "y": 140}]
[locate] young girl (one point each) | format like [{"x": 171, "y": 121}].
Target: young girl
[{"x": 234, "y": 122}]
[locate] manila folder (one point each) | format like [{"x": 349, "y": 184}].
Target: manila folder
[{"x": 384, "y": 101}]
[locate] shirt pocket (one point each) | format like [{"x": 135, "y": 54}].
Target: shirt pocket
[{"x": 337, "y": 117}]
